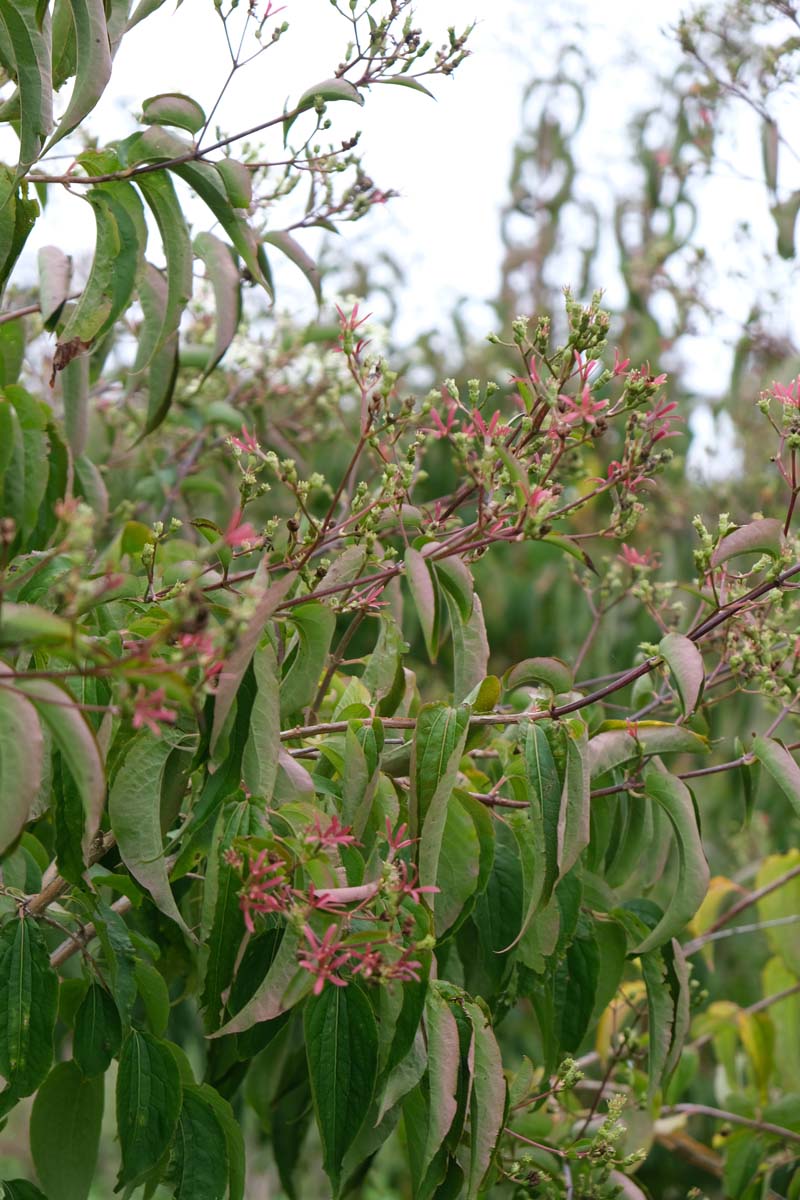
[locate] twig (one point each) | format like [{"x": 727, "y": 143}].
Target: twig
[
  {"x": 745, "y": 902},
  {"x": 719, "y": 1114},
  {"x": 78, "y": 941}
]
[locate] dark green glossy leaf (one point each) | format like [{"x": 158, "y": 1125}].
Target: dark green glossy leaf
[
  {"x": 199, "y": 1165},
  {"x": 65, "y": 1131},
  {"x": 28, "y": 1003},
  {"x": 148, "y": 1103},
  {"x": 315, "y": 624},
  {"x": 98, "y": 1031}
]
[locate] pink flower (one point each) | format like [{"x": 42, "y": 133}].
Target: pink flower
[
  {"x": 323, "y": 958},
  {"x": 246, "y": 443},
  {"x": 406, "y": 969},
  {"x": 787, "y": 395},
  {"x": 332, "y": 835},
  {"x": 620, "y": 364},
  {"x": 661, "y": 416},
  {"x": 633, "y": 558},
  {"x": 585, "y": 409},
  {"x": 489, "y": 432},
  {"x": 398, "y": 840},
  {"x": 265, "y": 890},
  {"x": 239, "y": 533},
  {"x": 442, "y": 429},
  {"x": 370, "y": 962},
  {"x": 148, "y": 710},
  {"x": 407, "y": 884}
]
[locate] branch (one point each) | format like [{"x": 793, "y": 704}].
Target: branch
[
  {"x": 705, "y": 1110},
  {"x": 77, "y": 941},
  {"x": 35, "y": 905},
  {"x": 745, "y": 902}
]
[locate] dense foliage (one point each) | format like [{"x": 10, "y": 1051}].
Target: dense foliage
[{"x": 301, "y": 848}]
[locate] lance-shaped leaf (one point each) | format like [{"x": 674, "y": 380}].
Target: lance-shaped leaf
[
  {"x": 27, "y": 29},
  {"x": 75, "y": 394},
  {"x": 613, "y": 747},
  {"x": 200, "y": 1162},
  {"x": 74, "y": 737},
  {"x": 148, "y": 1103},
  {"x": 488, "y": 1100},
  {"x": 778, "y": 763},
  {"x": 424, "y": 594},
  {"x": 65, "y": 1131},
  {"x": 152, "y": 291},
  {"x": 92, "y": 64},
  {"x": 134, "y": 807},
  {"x": 666, "y": 978},
  {"x": 234, "y": 1141},
  {"x": 444, "y": 1057},
  {"x": 267, "y": 1002},
  {"x": 438, "y": 745},
  {"x": 470, "y": 648},
  {"x": 329, "y": 91},
  {"x": 159, "y": 194},
  {"x": 238, "y": 180},
  {"x": 315, "y": 624},
  {"x": 300, "y": 257},
  {"x": 28, "y": 1001},
  {"x": 124, "y": 202},
  {"x": 533, "y": 672},
  {"x": 686, "y": 667},
  {"x": 173, "y": 108},
  {"x": 573, "y": 828},
  {"x": 98, "y": 1031},
  {"x": 691, "y": 885},
  {"x": 55, "y": 273},
  {"x": 784, "y": 215},
  {"x": 342, "y": 1051},
  {"x": 232, "y": 673},
  {"x": 223, "y": 274},
  {"x": 28, "y": 469},
  {"x": 546, "y": 781},
  {"x": 260, "y": 760},
  {"x": 764, "y": 536},
  {"x": 21, "y": 754},
  {"x": 95, "y": 304}
]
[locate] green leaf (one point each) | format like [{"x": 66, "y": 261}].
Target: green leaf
[
  {"x": 260, "y": 760},
  {"x": 75, "y": 392},
  {"x": 29, "y": 41},
  {"x": 199, "y": 1166},
  {"x": 444, "y": 1058},
  {"x": 28, "y": 468},
  {"x": 74, "y": 737},
  {"x": 691, "y": 885},
  {"x": 779, "y": 764},
  {"x": 577, "y": 976},
  {"x": 223, "y": 274},
  {"x": 551, "y": 672},
  {"x": 784, "y": 215},
  {"x": 238, "y": 180},
  {"x": 119, "y": 956},
  {"x": 65, "y": 1131},
  {"x": 159, "y": 194},
  {"x": 613, "y": 747},
  {"x": 686, "y": 666},
  {"x": 783, "y": 902},
  {"x": 414, "y": 84},
  {"x": 134, "y": 808},
  {"x": 20, "y": 1189},
  {"x": 239, "y": 660},
  {"x": 173, "y": 108},
  {"x": 424, "y": 594},
  {"x": 764, "y": 536},
  {"x": 315, "y": 624},
  {"x": 21, "y": 753},
  {"x": 55, "y": 274},
  {"x": 98, "y": 1031},
  {"x": 92, "y": 65},
  {"x": 342, "y": 1050},
  {"x": 12, "y": 351},
  {"x": 95, "y": 306},
  {"x": 148, "y": 1103},
  {"x": 439, "y": 740},
  {"x": 267, "y": 1002},
  {"x": 455, "y": 578},
  {"x": 329, "y": 90},
  {"x": 546, "y": 781},
  {"x": 289, "y": 246},
  {"x": 488, "y": 1101},
  {"x": 459, "y": 865},
  {"x": 152, "y": 988},
  {"x": 234, "y": 1141},
  {"x": 470, "y": 648},
  {"x": 28, "y": 1003},
  {"x": 667, "y": 982}
]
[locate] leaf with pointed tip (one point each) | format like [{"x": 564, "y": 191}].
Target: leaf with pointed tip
[
  {"x": 75, "y": 394},
  {"x": 300, "y": 257},
  {"x": 159, "y": 194},
  {"x": 439, "y": 741},
  {"x": 260, "y": 760},
  {"x": 315, "y": 624},
  {"x": 686, "y": 666},
  {"x": 98, "y": 1031},
  {"x": 149, "y": 1097},
  {"x": 223, "y": 274},
  {"x": 28, "y": 1003},
  {"x": 470, "y": 648},
  {"x": 92, "y": 64},
  {"x": 764, "y": 536},
  {"x": 21, "y": 751},
  {"x": 342, "y": 1051},
  {"x": 779, "y": 763},
  {"x": 29, "y": 39},
  {"x": 414, "y": 84},
  {"x": 173, "y": 108},
  {"x": 612, "y": 747},
  {"x": 488, "y": 1099},
  {"x": 691, "y": 885},
  {"x": 94, "y": 307},
  {"x": 267, "y": 1002},
  {"x": 329, "y": 90},
  {"x": 65, "y": 1131},
  {"x": 444, "y": 1058},
  {"x": 143, "y": 9},
  {"x": 238, "y": 180},
  {"x": 552, "y": 672},
  {"x": 74, "y": 737},
  {"x": 424, "y": 594},
  {"x": 199, "y": 1168},
  {"x": 667, "y": 981},
  {"x": 134, "y": 809},
  {"x": 55, "y": 273}
]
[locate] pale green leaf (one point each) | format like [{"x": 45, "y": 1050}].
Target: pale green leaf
[
  {"x": 92, "y": 66},
  {"x": 290, "y": 246},
  {"x": 781, "y": 766},
  {"x": 223, "y": 274},
  {"x": 764, "y": 536},
  {"x": 173, "y": 108},
  {"x": 21, "y": 753},
  {"x": 488, "y": 1100},
  {"x": 55, "y": 274}
]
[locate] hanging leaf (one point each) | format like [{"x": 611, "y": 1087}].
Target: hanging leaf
[
  {"x": 148, "y": 1103},
  {"x": 667, "y": 982},
  {"x": 764, "y": 536},
  {"x": 21, "y": 754},
  {"x": 159, "y": 194},
  {"x": 75, "y": 393},
  {"x": 779, "y": 764},
  {"x": 98, "y": 1031},
  {"x": 551, "y": 672},
  {"x": 266, "y": 1003},
  {"x": 686, "y": 667},
  {"x": 260, "y": 760},
  {"x": 342, "y": 1051},
  {"x": 328, "y": 91},
  {"x": 439, "y": 741},
  {"x": 613, "y": 747},
  {"x": 28, "y": 1002},
  {"x": 488, "y": 1101},
  {"x": 92, "y": 64},
  {"x": 95, "y": 306},
  {"x": 546, "y": 780},
  {"x": 424, "y": 594},
  {"x": 199, "y": 1168},
  {"x": 444, "y": 1057},
  {"x": 29, "y": 39},
  {"x": 223, "y": 274},
  {"x": 65, "y": 1131},
  {"x": 234, "y": 1141},
  {"x": 55, "y": 274},
  {"x": 173, "y": 108},
  {"x": 134, "y": 809},
  {"x": 470, "y": 648},
  {"x": 315, "y": 624},
  {"x": 289, "y": 246},
  {"x": 238, "y": 181},
  {"x": 673, "y": 796}
]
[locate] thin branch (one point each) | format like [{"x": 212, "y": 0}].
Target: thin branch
[
  {"x": 705, "y": 1110},
  {"x": 745, "y": 902}
]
